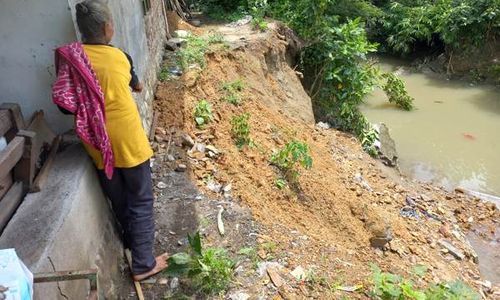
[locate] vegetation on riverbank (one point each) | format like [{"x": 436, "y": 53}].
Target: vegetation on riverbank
[{"x": 339, "y": 35}]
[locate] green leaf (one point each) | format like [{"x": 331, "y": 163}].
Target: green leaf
[
  {"x": 180, "y": 258},
  {"x": 195, "y": 243}
]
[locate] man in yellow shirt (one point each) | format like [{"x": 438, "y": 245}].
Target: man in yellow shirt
[{"x": 129, "y": 188}]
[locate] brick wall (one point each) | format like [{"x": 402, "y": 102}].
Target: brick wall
[{"x": 155, "y": 36}]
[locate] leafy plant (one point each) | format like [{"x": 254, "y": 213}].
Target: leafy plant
[
  {"x": 387, "y": 286},
  {"x": 233, "y": 90},
  {"x": 260, "y": 24},
  {"x": 396, "y": 91},
  {"x": 280, "y": 183},
  {"x": 251, "y": 254},
  {"x": 164, "y": 74},
  {"x": 240, "y": 130},
  {"x": 211, "y": 270},
  {"x": 368, "y": 138},
  {"x": 216, "y": 38},
  {"x": 202, "y": 113},
  {"x": 193, "y": 52},
  {"x": 294, "y": 155}
]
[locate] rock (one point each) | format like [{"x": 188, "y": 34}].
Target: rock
[
  {"x": 195, "y": 22},
  {"x": 379, "y": 242},
  {"x": 199, "y": 147},
  {"x": 171, "y": 46},
  {"x": 213, "y": 149},
  {"x": 163, "y": 281},
  {"x": 362, "y": 182},
  {"x": 161, "y": 185},
  {"x": 487, "y": 284},
  {"x": 263, "y": 266},
  {"x": 445, "y": 231},
  {"x": 228, "y": 188},
  {"x": 187, "y": 141},
  {"x": 275, "y": 277},
  {"x": 425, "y": 198},
  {"x": 182, "y": 34},
  {"x": 239, "y": 296},
  {"x": 174, "y": 283},
  {"x": 322, "y": 125},
  {"x": 245, "y": 20},
  {"x": 380, "y": 238},
  {"x": 170, "y": 157},
  {"x": 386, "y": 146},
  {"x": 298, "y": 273},
  {"x": 214, "y": 186},
  {"x": 452, "y": 249},
  {"x": 177, "y": 41},
  {"x": 181, "y": 168}
]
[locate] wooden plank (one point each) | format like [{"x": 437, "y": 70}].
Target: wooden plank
[
  {"x": 16, "y": 114},
  {"x": 5, "y": 184},
  {"x": 11, "y": 155},
  {"x": 137, "y": 284},
  {"x": 5, "y": 122},
  {"x": 26, "y": 167},
  {"x": 44, "y": 171},
  {"x": 10, "y": 202},
  {"x": 152, "y": 130},
  {"x": 44, "y": 135}
]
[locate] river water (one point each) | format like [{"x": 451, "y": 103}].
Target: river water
[{"x": 452, "y": 138}]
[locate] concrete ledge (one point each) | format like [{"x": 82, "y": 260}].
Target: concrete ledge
[{"x": 67, "y": 226}]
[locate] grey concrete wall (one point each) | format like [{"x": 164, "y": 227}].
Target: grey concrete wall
[
  {"x": 67, "y": 226},
  {"x": 29, "y": 31}
]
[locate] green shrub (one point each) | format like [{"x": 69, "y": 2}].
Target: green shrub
[
  {"x": 233, "y": 90},
  {"x": 202, "y": 113},
  {"x": 280, "y": 183},
  {"x": 294, "y": 155},
  {"x": 396, "y": 91},
  {"x": 164, "y": 74},
  {"x": 211, "y": 270},
  {"x": 216, "y": 38},
  {"x": 458, "y": 24},
  {"x": 387, "y": 286},
  {"x": 240, "y": 130},
  {"x": 193, "y": 52}
]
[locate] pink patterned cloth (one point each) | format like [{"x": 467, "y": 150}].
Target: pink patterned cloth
[{"x": 77, "y": 90}]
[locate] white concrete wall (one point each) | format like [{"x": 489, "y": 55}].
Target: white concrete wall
[{"x": 29, "y": 31}]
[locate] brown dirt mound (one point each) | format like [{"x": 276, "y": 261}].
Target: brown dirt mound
[{"x": 328, "y": 225}]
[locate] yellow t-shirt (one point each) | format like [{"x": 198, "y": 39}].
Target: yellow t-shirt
[{"x": 123, "y": 123}]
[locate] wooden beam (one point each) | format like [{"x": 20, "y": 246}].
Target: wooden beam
[
  {"x": 9, "y": 203},
  {"x": 5, "y": 122},
  {"x": 26, "y": 167},
  {"x": 16, "y": 114},
  {"x": 11, "y": 155},
  {"x": 44, "y": 171},
  {"x": 152, "y": 130},
  {"x": 5, "y": 184},
  {"x": 137, "y": 284}
]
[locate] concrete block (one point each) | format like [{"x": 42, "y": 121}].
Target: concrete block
[{"x": 68, "y": 226}]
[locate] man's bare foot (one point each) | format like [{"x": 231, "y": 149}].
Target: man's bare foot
[{"x": 161, "y": 264}]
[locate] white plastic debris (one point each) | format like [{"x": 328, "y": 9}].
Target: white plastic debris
[{"x": 15, "y": 276}]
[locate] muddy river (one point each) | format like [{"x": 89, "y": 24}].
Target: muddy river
[{"x": 452, "y": 139}]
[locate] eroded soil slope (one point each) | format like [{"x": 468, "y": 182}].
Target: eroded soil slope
[{"x": 345, "y": 204}]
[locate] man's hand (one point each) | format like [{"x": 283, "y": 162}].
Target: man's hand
[{"x": 138, "y": 87}]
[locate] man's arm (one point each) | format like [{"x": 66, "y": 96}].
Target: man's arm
[{"x": 135, "y": 84}]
